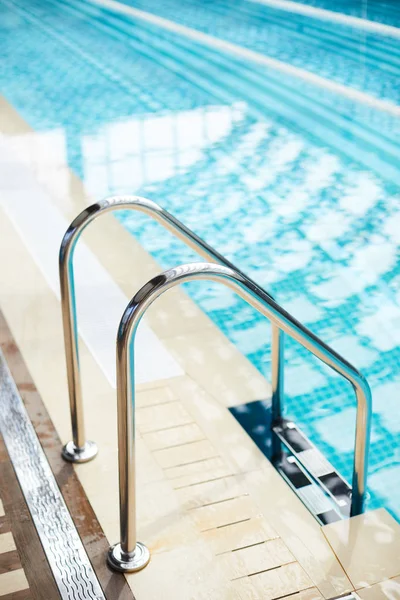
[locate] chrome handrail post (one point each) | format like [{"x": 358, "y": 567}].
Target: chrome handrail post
[
  {"x": 277, "y": 379},
  {"x": 277, "y": 366},
  {"x": 79, "y": 449},
  {"x": 361, "y": 448},
  {"x": 130, "y": 555}
]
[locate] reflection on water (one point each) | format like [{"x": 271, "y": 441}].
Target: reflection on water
[{"x": 135, "y": 152}]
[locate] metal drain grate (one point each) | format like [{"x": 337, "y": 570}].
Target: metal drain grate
[{"x": 64, "y": 550}]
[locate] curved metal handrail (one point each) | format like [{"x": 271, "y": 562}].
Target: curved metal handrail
[
  {"x": 130, "y": 555},
  {"x": 79, "y": 449}
]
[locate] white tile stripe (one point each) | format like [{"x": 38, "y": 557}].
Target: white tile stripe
[
  {"x": 2, "y": 511},
  {"x": 12, "y": 582},
  {"x": 7, "y": 543},
  {"x": 15, "y": 580},
  {"x": 255, "y": 57},
  {"x": 100, "y": 301},
  {"x": 330, "y": 15}
]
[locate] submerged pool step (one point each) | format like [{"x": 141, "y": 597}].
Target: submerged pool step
[
  {"x": 307, "y": 489},
  {"x": 306, "y": 470},
  {"x": 315, "y": 464}
]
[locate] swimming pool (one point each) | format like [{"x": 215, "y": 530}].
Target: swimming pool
[{"x": 293, "y": 179}]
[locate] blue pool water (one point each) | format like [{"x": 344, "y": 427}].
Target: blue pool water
[
  {"x": 295, "y": 183},
  {"x": 381, "y": 11}
]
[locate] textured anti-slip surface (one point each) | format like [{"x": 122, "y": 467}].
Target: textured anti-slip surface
[{"x": 68, "y": 560}]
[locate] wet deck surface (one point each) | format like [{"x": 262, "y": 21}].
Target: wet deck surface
[
  {"x": 234, "y": 559},
  {"x": 211, "y": 508},
  {"x": 24, "y": 570},
  {"x": 216, "y": 378}
]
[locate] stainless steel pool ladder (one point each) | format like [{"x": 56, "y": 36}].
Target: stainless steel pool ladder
[
  {"x": 79, "y": 449},
  {"x": 130, "y": 555}
]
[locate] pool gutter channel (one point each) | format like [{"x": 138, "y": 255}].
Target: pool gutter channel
[{"x": 64, "y": 550}]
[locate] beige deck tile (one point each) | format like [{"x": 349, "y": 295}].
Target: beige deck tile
[
  {"x": 2, "y": 511},
  {"x": 147, "y": 468},
  {"x": 168, "y": 533},
  {"x": 386, "y": 590},
  {"x": 177, "y": 436},
  {"x": 272, "y": 584},
  {"x": 151, "y": 510},
  {"x": 239, "y": 535},
  {"x": 13, "y": 581},
  {"x": 186, "y": 573},
  {"x": 163, "y": 416},
  {"x": 205, "y": 470},
  {"x": 100, "y": 481},
  {"x": 160, "y": 522},
  {"x": 7, "y": 543},
  {"x": 368, "y": 546},
  {"x": 225, "y": 513},
  {"x": 209, "y": 492},
  {"x": 187, "y": 453},
  {"x": 153, "y": 397},
  {"x": 207, "y": 356},
  {"x": 232, "y": 442},
  {"x": 255, "y": 559},
  {"x": 297, "y": 528},
  {"x": 155, "y": 385}
]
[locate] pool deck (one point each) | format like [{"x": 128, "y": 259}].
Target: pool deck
[{"x": 227, "y": 525}]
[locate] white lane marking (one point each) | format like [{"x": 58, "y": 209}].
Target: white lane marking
[
  {"x": 330, "y": 15},
  {"x": 256, "y": 57},
  {"x": 100, "y": 301}
]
